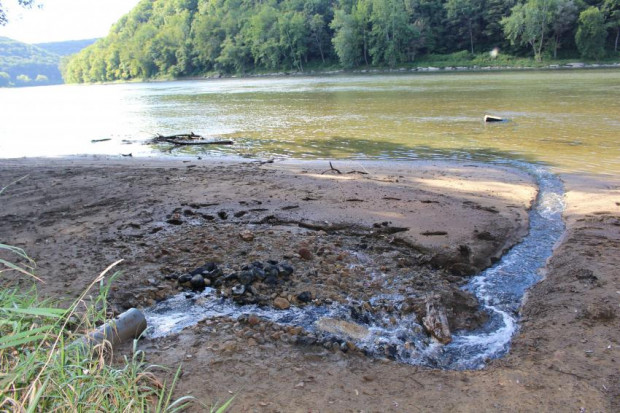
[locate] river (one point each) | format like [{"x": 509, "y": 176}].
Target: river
[{"x": 569, "y": 120}]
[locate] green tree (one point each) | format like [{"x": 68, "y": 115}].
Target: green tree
[
  {"x": 611, "y": 9},
  {"x": 564, "y": 19},
  {"x": 465, "y": 13},
  {"x": 293, "y": 35},
  {"x": 591, "y": 33},
  {"x": 530, "y": 23},
  {"x": 349, "y": 41},
  {"x": 390, "y": 31}
]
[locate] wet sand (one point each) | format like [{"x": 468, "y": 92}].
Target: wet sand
[{"x": 439, "y": 221}]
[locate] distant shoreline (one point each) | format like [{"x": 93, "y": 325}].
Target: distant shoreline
[{"x": 374, "y": 71}]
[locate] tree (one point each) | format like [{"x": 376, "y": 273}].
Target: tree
[
  {"x": 530, "y": 23},
  {"x": 591, "y": 34},
  {"x": 23, "y": 3},
  {"x": 564, "y": 18},
  {"x": 468, "y": 12},
  {"x": 348, "y": 40},
  {"x": 611, "y": 9}
]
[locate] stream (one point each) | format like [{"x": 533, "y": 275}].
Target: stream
[{"x": 500, "y": 290}]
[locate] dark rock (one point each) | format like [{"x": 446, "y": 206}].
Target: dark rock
[
  {"x": 206, "y": 268},
  {"x": 222, "y": 214},
  {"x": 212, "y": 275},
  {"x": 258, "y": 264},
  {"x": 246, "y": 277},
  {"x": 271, "y": 280},
  {"x": 259, "y": 273},
  {"x": 239, "y": 214},
  {"x": 272, "y": 262},
  {"x": 271, "y": 271},
  {"x": 463, "y": 269},
  {"x": 171, "y": 276},
  {"x": 285, "y": 270},
  {"x": 185, "y": 278},
  {"x": 198, "y": 282},
  {"x": 305, "y": 297}
]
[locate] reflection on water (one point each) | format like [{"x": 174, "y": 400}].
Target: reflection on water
[{"x": 567, "y": 119}]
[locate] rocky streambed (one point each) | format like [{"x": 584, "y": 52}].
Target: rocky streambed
[{"x": 371, "y": 290}]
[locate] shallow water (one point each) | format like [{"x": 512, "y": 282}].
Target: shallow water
[
  {"x": 566, "y": 119},
  {"x": 499, "y": 289}
]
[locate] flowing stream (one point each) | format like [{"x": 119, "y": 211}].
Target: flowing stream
[{"x": 500, "y": 290}]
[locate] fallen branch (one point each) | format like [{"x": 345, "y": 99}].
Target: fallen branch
[
  {"x": 185, "y": 139},
  {"x": 332, "y": 169}
]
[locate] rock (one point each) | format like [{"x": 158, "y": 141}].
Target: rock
[
  {"x": 305, "y": 254},
  {"x": 175, "y": 219},
  {"x": 304, "y": 297},
  {"x": 246, "y": 277},
  {"x": 185, "y": 278},
  {"x": 222, "y": 215},
  {"x": 436, "y": 321},
  {"x": 271, "y": 271},
  {"x": 258, "y": 272},
  {"x": 247, "y": 235},
  {"x": 198, "y": 282},
  {"x": 463, "y": 269},
  {"x": 349, "y": 329},
  {"x": 205, "y": 269},
  {"x": 238, "y": 289},
  {"x": 285, "y": 270},
  {"x": 253, "y": 320},
  {"x": 281, "y": 303}
]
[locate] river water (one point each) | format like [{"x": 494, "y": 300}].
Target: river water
[
  {"x": 562, "y": 121},
  {"x": 569, "y": 120}
]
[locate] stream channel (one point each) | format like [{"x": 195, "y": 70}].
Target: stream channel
[{"x": 500, "y": 290}]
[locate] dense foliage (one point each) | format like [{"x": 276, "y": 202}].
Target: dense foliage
[
  {"x": 171, "y": 38},
  {"x": 22, "y": 64}
]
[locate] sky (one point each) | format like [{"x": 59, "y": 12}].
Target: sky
[{"x": 60, "y": 20}]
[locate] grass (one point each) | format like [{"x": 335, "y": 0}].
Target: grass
[{"x": 40, "y": 372}]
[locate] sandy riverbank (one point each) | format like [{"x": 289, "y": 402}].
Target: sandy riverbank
[{"x": 425, "y": 226}]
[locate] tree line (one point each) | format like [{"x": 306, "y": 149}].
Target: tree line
[{"x": 172, "y": 38}]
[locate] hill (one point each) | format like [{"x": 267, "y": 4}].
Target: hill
[
  {"x": 23, "y": 64},
  {"x": 174, "y": 38},
  {"x": 65, "y": 48}
]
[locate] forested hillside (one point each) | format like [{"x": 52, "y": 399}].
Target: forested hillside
[
  {"x": 171, "y": 38},
  {"x": 22, "y": 64},
  {"x": 65, "y": 48}
]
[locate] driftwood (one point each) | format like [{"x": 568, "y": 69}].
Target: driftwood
[
  {"x": 185, "y": 139},
  {"x": 332, "y": 169}
]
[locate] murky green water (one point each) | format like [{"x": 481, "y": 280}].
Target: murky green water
[{"x": 568, "y": 119}]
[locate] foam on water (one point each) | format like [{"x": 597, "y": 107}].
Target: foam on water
[{"x": 500, "y": 290}]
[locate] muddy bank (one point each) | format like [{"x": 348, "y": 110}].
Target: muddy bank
[{"x": 403, "y": 229}]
